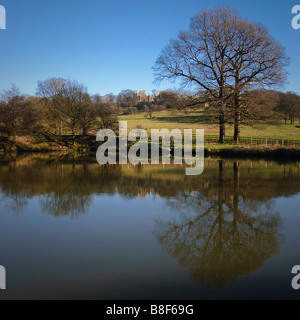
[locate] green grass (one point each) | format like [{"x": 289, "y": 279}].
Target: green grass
[{"x": 198, "y": 120}]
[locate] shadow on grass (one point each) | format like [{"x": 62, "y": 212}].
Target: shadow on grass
[{"x": 185, "y": 119}]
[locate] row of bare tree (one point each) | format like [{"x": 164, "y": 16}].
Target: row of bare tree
[
  {"x": 60, "y": 107},
  {"x": 256, "y": 107},
  {"x": 228, "y": 60},
  {"x": 65, "y": 107}
]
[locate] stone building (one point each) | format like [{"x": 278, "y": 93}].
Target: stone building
[{"x": 143, "y": 97}]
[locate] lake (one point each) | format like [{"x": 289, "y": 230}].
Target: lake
[{"x": 72, "y": 229}]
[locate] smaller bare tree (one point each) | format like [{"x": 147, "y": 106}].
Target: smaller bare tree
[
  {"x": 16, "y": 115},
  {"x": 257, "y": 60},
  {"x": 68, "y": 104}
]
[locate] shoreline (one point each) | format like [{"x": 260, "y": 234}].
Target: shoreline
[
  {"x": 278, "y": 153},
  {"x": 87, "y": 146},
  {"x": 214, "y": 150}
]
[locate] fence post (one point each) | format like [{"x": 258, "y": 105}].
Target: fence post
[
  {"x": 282, "y": 142},
  {"x": 266, "y": 141}
]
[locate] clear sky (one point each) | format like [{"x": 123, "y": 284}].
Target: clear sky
[{"x": 112, "y": 45}]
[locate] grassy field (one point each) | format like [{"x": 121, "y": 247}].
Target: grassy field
[
  {"x": 282, "y": 140},
  {"x": 197, "y": 120}
]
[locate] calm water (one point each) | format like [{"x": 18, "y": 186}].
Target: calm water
[{"x": 73, "y": 229}]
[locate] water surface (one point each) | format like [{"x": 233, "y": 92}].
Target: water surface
[{"x": 72, "y": 229}]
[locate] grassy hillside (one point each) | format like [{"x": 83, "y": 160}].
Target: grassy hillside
[{"x": 197, "y": 120}]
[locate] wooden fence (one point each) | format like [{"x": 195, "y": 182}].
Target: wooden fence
[{"x": 255, "y": 141}]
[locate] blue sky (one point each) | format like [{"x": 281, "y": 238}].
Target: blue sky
[{"x": 112, "y": 45}]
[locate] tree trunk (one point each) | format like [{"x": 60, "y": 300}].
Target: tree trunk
[
  {"x": 13, "y": 148},
  {"x": 222, "y": 107},
  {"x": 237, "y": 129},
  {"x": 292, "y": 118},
  {"x": 237, "y": 115},
  {"x": 73, "y": 137},
  {"x": 222, "y": 128},
  {"x": 13, "y": 140}
]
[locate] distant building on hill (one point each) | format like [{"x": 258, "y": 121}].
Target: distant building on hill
[{"x": 143, "y": 97}]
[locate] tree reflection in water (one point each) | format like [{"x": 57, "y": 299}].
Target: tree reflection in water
[
  {"x": 223, "y": 225},
  {"x": 219, "y": 234},
  {"x": 63, "y": 187}
]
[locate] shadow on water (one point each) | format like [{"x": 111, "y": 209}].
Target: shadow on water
[{"x": 223, "y": 222}]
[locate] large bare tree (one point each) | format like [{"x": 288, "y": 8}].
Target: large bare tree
[
  {"x": 222, "y": 54},
  {"x": 200, "y": 57}
]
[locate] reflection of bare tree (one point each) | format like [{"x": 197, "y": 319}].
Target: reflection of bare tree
[
  {"x": 65, "y": 204},
  {"x": 219, "y": 235},
  {"x": 70, "y": 188},
  {"x": 67, "y": 192},
  {"x": 17, "y": 196},
  {"x": 64, "y": 188},
  {"x": 66, "y": 185}
]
